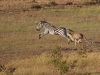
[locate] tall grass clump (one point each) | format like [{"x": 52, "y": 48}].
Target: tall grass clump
[
  {"x": 82, "y": 51},
  {"x": 53, "y": 3},
  {"x": 7, "y": 70},
  {"x": 59, "y": 64},
  {"x": 64, "y": 66},
  {"x": 69, "y": 3},
  {"x": 92, "y": 2},
  {"x": 36, "y": 6}
]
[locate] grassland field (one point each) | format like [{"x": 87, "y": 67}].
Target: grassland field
[{"x": 20, "y": 48}]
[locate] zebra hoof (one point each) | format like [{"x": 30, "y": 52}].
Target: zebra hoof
[{"x": 39, "y": 37}]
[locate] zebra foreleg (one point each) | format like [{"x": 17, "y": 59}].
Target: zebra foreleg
[
  {"x": 42, "y": 34},
  {"x": 39, "y": 36}
]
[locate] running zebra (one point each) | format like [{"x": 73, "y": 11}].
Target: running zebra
[{"x": 52, "y": 30}]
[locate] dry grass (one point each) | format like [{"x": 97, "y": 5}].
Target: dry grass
[
  {"x": 41, "y": 64},
  {"x": 37, "y": 65}
]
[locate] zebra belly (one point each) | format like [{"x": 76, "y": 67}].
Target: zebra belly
[{"x": 52, "y": 32}]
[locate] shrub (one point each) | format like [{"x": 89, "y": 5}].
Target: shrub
[
  {"x": 97, "y": 1},
  {"x": 82, "y": 51},
  {"x": 92, "y": 2},
  {"x": 7, "y": 70},
  {"x": 53, "y": 3},
  {"x": 36, "y": 6},
  {"x": 59, "y": 64},
  {"x": 69, "y": 3},
  {"x": 89, "y": 3},
  {"x": 2, "y": 67},
  {"x": 34, "y": 1}
]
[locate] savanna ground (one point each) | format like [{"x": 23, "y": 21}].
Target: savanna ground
[{"x": 22, "y": 53}]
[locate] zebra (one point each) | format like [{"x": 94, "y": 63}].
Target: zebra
[{"x": 52, "y": 30}]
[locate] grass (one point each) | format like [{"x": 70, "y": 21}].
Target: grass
[
  {"x": 42, "y": 64},
  {"x": 20, "y": 47}
]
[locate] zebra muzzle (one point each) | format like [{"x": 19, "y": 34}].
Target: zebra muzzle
[{"x": 37, "y": 29}]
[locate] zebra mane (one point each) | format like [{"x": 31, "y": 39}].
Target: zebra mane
[
  {"x": 43, "y": 22},
  {"x": 46, "y": 23}
]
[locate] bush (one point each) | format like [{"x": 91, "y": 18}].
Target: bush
[
  {"x": 53, "y": 3},
  {"x": 97, "y": 1},
  {"x": 36, "y": 7},
  {"x": 69, "y": 3},
  {"x": 82, "y": 51},
  {"x": 63, "y": 66},
  {"x": 92, "y": 2},
  {"x": 7, "y": 70},
  {"x": 59, "y": 64},
  {"x": 89, "y": 3}
]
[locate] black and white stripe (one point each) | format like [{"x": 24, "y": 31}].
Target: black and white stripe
[{"x": 52, "y": 30}]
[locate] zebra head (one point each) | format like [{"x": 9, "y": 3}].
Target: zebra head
[{"x": 40, "y": 25}]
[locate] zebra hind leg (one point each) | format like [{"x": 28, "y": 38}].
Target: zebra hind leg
[
  {"x": 69, "y": 40},
  {"x": 66, "y": 36}
]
